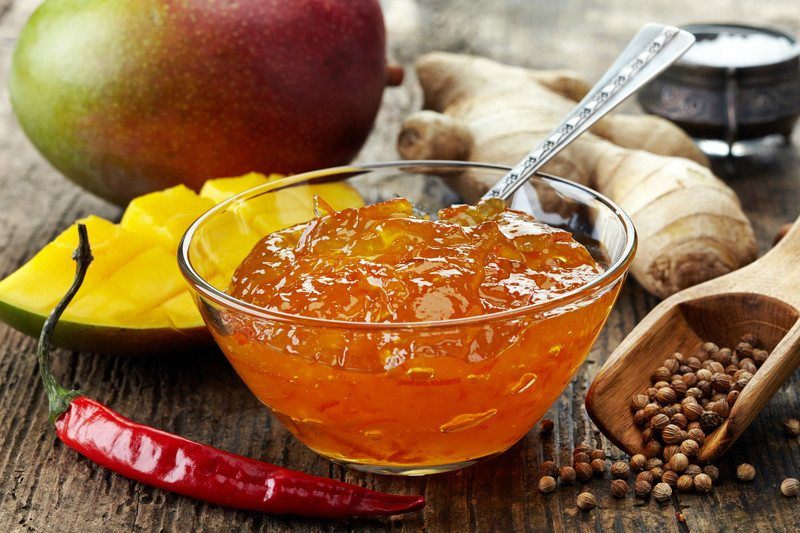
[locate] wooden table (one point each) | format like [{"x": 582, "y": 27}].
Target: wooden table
[{"x": 45, "y": 485}]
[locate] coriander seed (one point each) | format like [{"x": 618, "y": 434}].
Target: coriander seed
[
  {"x": 639, "y": 401},
  {"x": 586, "y": 501},
  {"x": 792, "y": 427},
  {"x": 690, "y": 378},
  {"x": 598, "y": 466},
  {"x": 670, "y": 478},
  {"x": 697, "y": 435},
  {"x": 659, "y": 422},
  {"x": 650, "y": 410},
  {"x": 748, "y": 365},
  {"x": 693, "y": 470},
  {"x": 712, "y": 472},
  {"x": 638, "y": 462},
  {"x": 721, "y": 407},
  {"x": 689, "y": 448},
  {"x": 547, "y": 484},
  {"x": 597, "y": 454},
  {"x": 744, "y": 349},
  {"x": 702, "y": 483},
  {"x": 581, "y": 457},
  {"x": 645, "y": 476},
  {"x": 657, "y": 472},
  {"x": 567, "y": 475},
  {"x": 704, "y": 374},
  {"x": 653, "y": 448},
  {"x": 678, "y": 463},
  {"x": 671, "y": 434},
  {"x": 619, "y": 488},
  {"x": 732, "y": 397},
  {"x": 661, "y": 373},
  {"x": 548, "y": 468},
  {"x": 666, "y": 395},
  {"x": 746, "y": 472},
  {"x": 654, "y": 462},
  {"x": 723, "y": 356},
  {"x": 750, "y": 339},
  {"x": 583, "y": 472},
  {"x": 685, "y": 483},
  {"x": 710, "y": 347},
  {"x": 790, "y": 487},
  {"x": 641, "y": 488},
  {"x": 620, "y": 470},
  {"x": 693, "y": 411},
  {"x": 669, "y": 451},
  {"x": 694, "y": 392},
  {"x": 662, "y": 492},
  {"x": 679, "y": 419},
  {"x": 721, "y": 382}
]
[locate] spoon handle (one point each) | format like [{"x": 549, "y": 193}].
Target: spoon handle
[{"x": 652, "y": 50}]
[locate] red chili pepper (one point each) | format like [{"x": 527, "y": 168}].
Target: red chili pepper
[{"x": 173, "y": 463}]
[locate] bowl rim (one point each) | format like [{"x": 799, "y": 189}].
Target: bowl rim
[{"x": 616, "y": 270}]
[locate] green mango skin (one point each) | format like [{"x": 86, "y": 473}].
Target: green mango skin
[
  {"x": 126, "y": 97},
  {"x": 110, "y": 340}
]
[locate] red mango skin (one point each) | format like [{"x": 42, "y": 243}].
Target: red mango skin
[{"x": 130, "y": 96}]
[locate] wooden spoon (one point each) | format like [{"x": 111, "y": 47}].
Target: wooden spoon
[{"x": 762, "y": 298}]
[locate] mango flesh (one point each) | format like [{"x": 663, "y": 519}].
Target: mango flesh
[
  {"x": 134, "y": 299},
  {"x": 132, "y": 96}
]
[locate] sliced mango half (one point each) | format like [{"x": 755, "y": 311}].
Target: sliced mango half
[{"x": 134, "y": 299}]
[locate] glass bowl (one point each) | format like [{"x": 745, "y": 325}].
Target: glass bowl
[{"x": 404, "y": 398}]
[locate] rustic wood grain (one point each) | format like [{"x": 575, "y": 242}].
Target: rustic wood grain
[{"x": 45, "y": 486}]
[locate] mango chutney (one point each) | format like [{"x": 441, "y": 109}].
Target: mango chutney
[{"x": 454, "y": 375}]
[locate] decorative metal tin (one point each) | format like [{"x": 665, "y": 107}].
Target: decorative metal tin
[{"x": 730, "y": 104}]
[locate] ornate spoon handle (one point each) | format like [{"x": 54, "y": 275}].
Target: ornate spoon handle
[{"x": 652, "y": 50}]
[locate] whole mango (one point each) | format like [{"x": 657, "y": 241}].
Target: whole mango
[{"x": 131, "y": 96}]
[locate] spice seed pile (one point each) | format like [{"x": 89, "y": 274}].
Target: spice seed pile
[{"x": 689, "y": 398}]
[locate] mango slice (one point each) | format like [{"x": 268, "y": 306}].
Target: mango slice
[{"x": 134, "y": 299}]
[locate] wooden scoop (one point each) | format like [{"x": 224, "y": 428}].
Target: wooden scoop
[{"x": 762, "y": 298}]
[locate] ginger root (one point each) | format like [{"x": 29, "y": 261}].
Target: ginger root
[{"x": 690, "y": 224}]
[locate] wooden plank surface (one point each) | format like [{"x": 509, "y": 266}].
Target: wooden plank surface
[{"x": 44, "y": 485}]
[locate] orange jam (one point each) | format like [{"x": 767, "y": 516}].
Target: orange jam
[{"x": 428, "y": 395}]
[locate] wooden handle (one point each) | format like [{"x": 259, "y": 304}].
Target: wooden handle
[
  {"x": 754, "y": 397},
  {"x": 780, "y": 267}
]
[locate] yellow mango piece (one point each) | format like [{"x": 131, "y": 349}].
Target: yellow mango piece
[
  {"x": 132, "y": 292},
  {"x": 180, "y": 310},
  {"x": 134, "y": 299},
  {"x": 294, "y": 205},
  {"x": 221, "y": 189},
  {"x": 39, "y": 289},
  {"x": 162, "y": 217}
]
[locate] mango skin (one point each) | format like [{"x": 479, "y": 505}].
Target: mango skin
[
  {"x": 132, "y": 96},
  {"x": 117, "y": 340}
]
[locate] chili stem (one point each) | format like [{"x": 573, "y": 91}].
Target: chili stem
[{"x": 58, "y": 397}]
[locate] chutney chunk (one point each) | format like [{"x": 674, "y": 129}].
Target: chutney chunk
[{"x": 382, "y": 263}]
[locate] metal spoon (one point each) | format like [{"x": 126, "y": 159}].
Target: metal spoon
[{"x": 651, "y": 51}]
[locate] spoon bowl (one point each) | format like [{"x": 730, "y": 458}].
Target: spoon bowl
[{"x": 762, "y": 298}]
